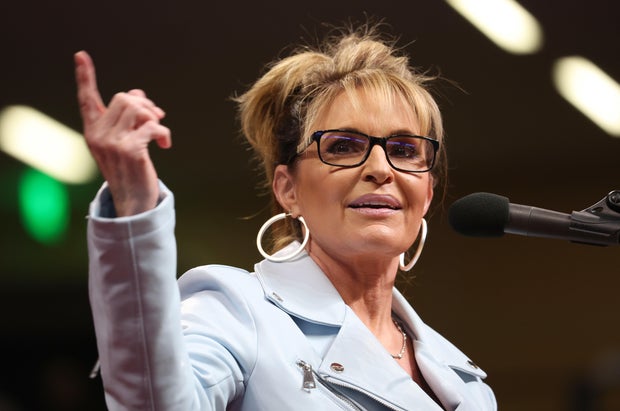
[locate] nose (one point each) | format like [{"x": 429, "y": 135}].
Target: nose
[{"x": 376, "y": 167}]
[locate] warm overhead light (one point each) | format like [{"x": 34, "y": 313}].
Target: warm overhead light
[
  {"x": 590, "y": 90},
  {"x": 45, "y": 144},
  {"x": 505, "y": 22}
]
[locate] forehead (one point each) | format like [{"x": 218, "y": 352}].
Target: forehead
[{"x": 369, "y": 111}]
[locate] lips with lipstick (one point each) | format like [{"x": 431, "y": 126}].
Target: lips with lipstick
[{"x": 376, "y": 201}]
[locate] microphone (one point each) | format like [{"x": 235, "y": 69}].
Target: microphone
[{"x": 492, "y": 215}]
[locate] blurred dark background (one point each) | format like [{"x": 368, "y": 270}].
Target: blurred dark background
[{"x": 540, "y": 316}]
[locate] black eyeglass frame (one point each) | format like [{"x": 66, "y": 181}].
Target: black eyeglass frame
[{"x": 380, "y": 141}]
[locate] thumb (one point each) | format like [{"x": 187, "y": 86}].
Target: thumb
[{"x": 89, "y": 98}]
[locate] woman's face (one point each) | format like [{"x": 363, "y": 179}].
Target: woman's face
[{"x": 367, "y": 209}]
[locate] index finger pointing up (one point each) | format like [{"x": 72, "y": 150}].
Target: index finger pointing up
[{"x": 91, "y": 105}]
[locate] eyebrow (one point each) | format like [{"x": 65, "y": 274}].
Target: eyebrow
[{"x": 397, "y": 132}]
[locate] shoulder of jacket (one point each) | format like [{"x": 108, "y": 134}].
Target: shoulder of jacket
[{"x": 215, "y": 276}]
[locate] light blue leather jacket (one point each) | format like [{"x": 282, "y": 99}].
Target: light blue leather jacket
[{"x": 280, "y": 338}]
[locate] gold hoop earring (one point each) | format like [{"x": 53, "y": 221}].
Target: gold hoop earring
[
  {"x": 286, "y": 257},
  {"x": 418, "y": 251}
]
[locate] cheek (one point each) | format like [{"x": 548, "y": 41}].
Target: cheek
[
  {"x": 419, "y": 194},
  {"x": 311, "y": 189},
  {"x": 323, "y": 195},
  {"x": 318, "y": 194}
]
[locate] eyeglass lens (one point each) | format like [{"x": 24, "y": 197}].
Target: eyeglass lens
[{"x": 349, "y": 149}]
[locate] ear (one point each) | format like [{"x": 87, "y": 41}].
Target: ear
[
  {"x": 285, "y": 189},
  {"x": 429, "y": 195}
]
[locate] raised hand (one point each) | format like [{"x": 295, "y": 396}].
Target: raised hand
[{"x": 118, "y": 137}]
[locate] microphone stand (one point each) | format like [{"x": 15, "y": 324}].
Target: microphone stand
[{"x": 600, "y": 222}]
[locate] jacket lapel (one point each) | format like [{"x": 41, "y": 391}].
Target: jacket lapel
[
  {"x": 438, "y": 359},
  {"x": 300, "y": 288},
  {"x": 355, "y": 358}
]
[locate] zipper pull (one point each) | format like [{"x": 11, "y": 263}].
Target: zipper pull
[{"x": 309, "y": 382}]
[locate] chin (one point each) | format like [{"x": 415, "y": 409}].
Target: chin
[{"x": 383, "y": 241}]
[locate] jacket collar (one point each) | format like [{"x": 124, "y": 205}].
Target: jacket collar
[
  {"x": 300, "y": 288},
  {"x": 428, "y": 340}
]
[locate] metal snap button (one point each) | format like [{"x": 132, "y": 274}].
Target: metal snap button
[
  {"x": 277, "y": 297},
  {"x": 337, "y": 367}
]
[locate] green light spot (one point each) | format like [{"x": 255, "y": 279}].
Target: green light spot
[{"x": 44, "y": 206}]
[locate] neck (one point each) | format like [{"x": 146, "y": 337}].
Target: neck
[{"x": 365, "y": 284}]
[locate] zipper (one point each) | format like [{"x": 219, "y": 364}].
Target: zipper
[
  {"x": 311, "y": 376},
  {"x": 309, "y": 382},
  {"x": 343, "y": 384}
]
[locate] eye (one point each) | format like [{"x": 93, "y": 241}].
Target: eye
[
  {"x": 343, "y": 145},
  {"x": 405, "y": 148}
]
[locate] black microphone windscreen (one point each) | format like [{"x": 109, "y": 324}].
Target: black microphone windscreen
[{"x": 480, "y": 215}]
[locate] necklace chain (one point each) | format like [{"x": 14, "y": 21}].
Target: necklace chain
[{"x": 404, "y": 347}]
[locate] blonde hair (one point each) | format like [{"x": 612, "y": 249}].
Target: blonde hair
[{"x": 276, "y": 113}]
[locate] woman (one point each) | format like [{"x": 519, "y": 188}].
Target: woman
[{"x": 350, "y": 140}]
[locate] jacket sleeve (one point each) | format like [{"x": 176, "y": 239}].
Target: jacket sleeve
[{"x": 136, "y": 309}]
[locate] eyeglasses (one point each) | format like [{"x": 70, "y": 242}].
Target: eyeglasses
[{"x": 404, "y": 152}]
